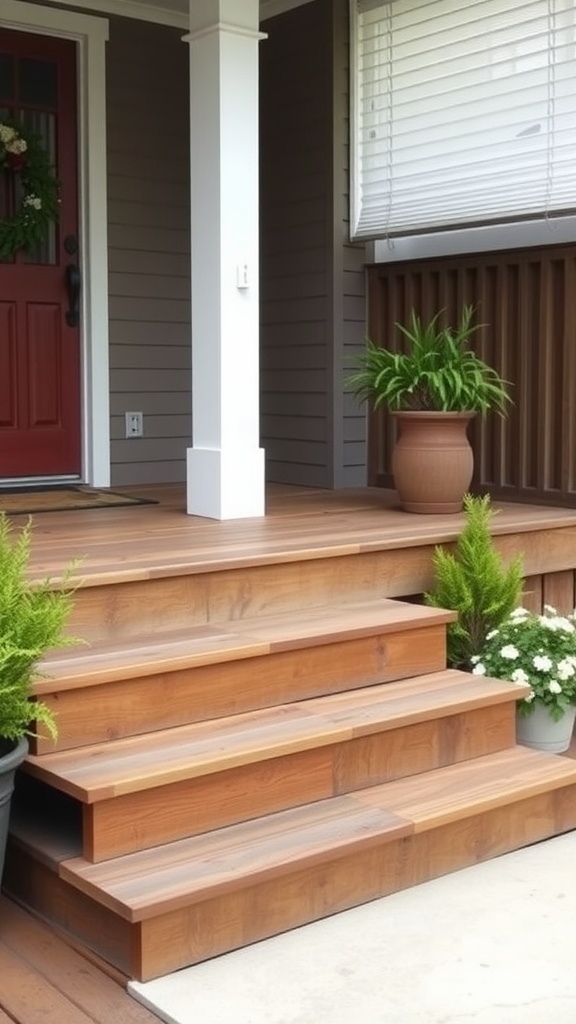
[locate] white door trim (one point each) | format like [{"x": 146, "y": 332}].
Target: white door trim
[{"x": 90, "y": 34}]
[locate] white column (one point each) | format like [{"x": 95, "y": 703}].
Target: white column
[{"x": 225, "y": 466}]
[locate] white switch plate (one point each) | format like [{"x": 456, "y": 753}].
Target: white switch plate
[
  {"x": 242, "y": 276},
  {"x": 134, "y": 424}
]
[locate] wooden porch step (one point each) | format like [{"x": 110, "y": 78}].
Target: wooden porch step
[
  {"x": 184, "y": 781},
  {"x": 199, "y": 897},
  {"x": 108, "y": 691}
]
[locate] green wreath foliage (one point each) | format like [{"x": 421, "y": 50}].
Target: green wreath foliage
[{"x": 24, "y": 157}]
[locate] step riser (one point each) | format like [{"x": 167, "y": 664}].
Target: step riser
[
  {"x": 36, "y": 886},
  {"x": 187, "y": 936},
  {"x": 235, "y": 920},
  {"x": 121, "y": 610},
  {"x": 134, "y": 706},
  {"x": 169, "y": 813}
]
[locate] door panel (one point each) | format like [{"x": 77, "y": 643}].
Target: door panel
[{"x": 39, "y": 350}]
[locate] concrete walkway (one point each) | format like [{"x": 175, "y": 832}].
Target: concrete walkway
[{"x": 493, "y": 944}]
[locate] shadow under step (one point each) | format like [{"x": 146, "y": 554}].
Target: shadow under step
[
  {"x": 145, "y": 791},
  {"x": 107, "y": 691}
]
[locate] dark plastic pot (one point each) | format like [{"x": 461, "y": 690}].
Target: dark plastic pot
[{"x": 9, "y": 762}]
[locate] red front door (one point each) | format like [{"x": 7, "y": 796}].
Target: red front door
[{"x": 39, "y": 312}]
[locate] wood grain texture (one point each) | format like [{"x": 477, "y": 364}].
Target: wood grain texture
[
  {"x": 558, "y": 590},
  {"x": 236, "y": 919},
  {"x": 193, "y": 933},
  {"x": 142, "y": 820},
  {"x": 34, "y": 884},
  {"x": 28, "y": 996},
  {"x": 117, "y": 767},
  {"x": 152, "y": 882},
  {"x": 165, "y": 700},
  {"x": 149, "y": 883},
  {"x": 244, "y": 638},
  {"x": 461, "y": 790},
  {"x": 165, "y": 814},
  {"x": 302, "y": 757},
  {"x": 84, "y": 985},
  {"x": 157, "y": 788},
  {"x": 422, "y": 747},
  {"x": 156, "y": 568}
]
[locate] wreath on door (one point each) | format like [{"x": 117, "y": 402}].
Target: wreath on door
[{"x": 23, "y": 158}]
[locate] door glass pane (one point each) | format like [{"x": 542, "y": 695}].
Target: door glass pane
[
  {"x": 43, "y": 126},
  {"x": 38, "y": 82},
  {"x": 6, "y": 180},
  {"x": 6, "y": 76}
]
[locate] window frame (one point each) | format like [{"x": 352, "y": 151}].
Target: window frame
[{"x": 544, "y": 229}]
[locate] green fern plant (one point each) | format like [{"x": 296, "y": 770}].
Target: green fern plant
[
  {"x": 32, "y": 621},
  {"x": 473, "y": 581},
  {"x": 436, "y": 371}
]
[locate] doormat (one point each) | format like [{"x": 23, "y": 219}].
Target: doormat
[{"x": 64, "y": 499}]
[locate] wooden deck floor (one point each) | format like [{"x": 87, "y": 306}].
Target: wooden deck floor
[
  {"x": 43, "y": 980},
  {"x": 139, "y": 542}
]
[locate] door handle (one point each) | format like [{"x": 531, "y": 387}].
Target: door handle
[{"x": 73, "y": 283}]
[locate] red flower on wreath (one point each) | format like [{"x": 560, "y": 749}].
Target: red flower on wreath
[{"x": 16, "y": 161}]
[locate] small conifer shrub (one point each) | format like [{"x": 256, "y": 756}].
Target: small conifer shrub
[{"x": 473, "y": 581}]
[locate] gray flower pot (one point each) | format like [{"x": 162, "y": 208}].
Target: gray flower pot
[{"x": 8, "y": 764}]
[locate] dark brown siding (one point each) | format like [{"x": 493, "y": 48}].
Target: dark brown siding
[{"x": 527, "y": 300}]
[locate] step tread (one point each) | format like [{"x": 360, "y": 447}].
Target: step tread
[
  {"x": 151, "y": 882},
  {"x": 241, "y": 638},
  {"x": 116, "y": 767},
  {"x": 158, "y": 880},
  {"x": 489, "y": 781}
]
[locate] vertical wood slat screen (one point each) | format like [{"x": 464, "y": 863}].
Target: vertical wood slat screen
[{"x": 527, "y": 301}]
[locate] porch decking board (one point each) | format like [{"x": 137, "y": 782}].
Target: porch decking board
[
  {"x": 44, "y": 978},
  {"x": 325, "y": 544},
  {"x": 34, "y": 882}
]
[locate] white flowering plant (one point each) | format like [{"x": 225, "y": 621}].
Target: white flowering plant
[{"x": 537, "y": 650}]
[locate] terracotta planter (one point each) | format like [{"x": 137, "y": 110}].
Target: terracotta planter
[
  {"x": 433, "y": 461},
  {"x": 9, "y": 762}
]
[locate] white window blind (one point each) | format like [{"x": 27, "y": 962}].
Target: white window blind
[{"x": 464, "y": 113}]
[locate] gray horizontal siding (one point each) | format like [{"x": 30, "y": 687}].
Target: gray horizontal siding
[
  {"x": 154, "y": 405},
  {"x": 295, "y": 218},
  {"x": 149, "y": 247},
  {"x": 350, "y": 281}
]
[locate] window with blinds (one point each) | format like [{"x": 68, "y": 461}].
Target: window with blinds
[{"x": 463, "y": 113}]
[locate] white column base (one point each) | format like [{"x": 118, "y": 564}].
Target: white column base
[{"x": 225, "y": 484}]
